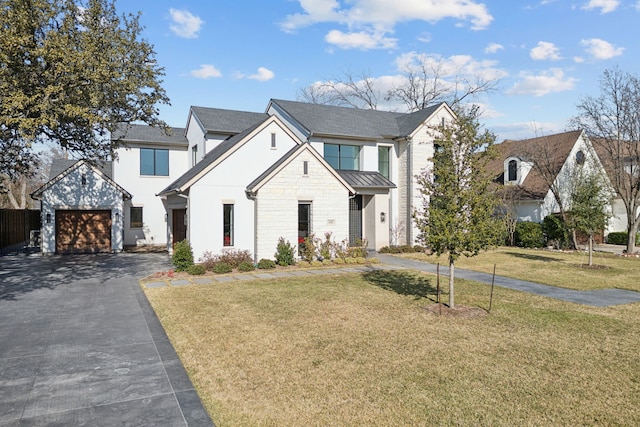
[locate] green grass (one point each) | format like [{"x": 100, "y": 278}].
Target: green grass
[
  {"x": 563, "y": 269},
  {"x": 354, "y": 350}
]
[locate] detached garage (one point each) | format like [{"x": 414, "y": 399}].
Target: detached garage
[{"x": 82, "y": 209}]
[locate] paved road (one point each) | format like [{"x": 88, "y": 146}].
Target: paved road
[
  {"x": 599, "y": 298},
  {"x": 81, "y": 346}
]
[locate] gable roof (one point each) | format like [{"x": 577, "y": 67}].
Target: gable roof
[
  {"x": 38, "y": 193},
  {"x": 557, "y": 146},
  {"x": 287, "y": 158},
  {"x": 216, "y": 155},
  {"x": 331, "y": 120},
  {"x": 143, "y": 133},
  {"x": 60, "y": 165},
  {"x": 216, "y": 120}
]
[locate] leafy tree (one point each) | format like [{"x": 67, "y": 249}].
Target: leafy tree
[
  {"x": 70, "y": 70},
  {"x": 457, "y": 213},
  {"x": 590, "y": 208},
  {"x": 612, "y": 121}
]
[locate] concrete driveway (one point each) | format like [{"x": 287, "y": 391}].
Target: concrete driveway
[{"x": 80, "y": 345}]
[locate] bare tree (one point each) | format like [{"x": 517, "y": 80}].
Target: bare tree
[
  {"x": 612, "y": 121},
  {"x": 422, "y": 82}
]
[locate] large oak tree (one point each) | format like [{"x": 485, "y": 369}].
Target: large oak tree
[{"x": 70, "y": 70}]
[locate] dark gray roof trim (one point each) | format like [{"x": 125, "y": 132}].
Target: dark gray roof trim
[
  {"x": 352, "y": 122},
  {"x": 60, "y": 165},
  {"x": 365, "y": 179},
  {"x": 216, "y": 120},
  {"x": 144, "y": 133},
  {"x": 276, "y": 165},
  {"x": 213, "y": 155}
]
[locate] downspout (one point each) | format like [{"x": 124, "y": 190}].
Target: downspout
[
  {"x": 254, "y": 198},
  {"x": 409, "y": 189}
]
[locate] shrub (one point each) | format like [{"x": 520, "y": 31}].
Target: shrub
[
  {"x": 620, "y": 238},
  {"x": 555, "y": 232},
  {"x": 316, "y": 263},
  {"x": 350, "y": 260},
  {"x": 303, "y": 264},
  {"x": 339, "y": 261},
  {"x": 266, "y": 264},
  {"x": 235, "y": 257},
  {"x": 208, "y": 260},
  {"x": 246, "y": 266},
  {"x": 182, "y": 255},
  {"x": 308, "y": 249},
  {"x": 285, "y": 253},
  {"x": 326, "y": 247},
  {"x": 373, "y": 261},
  {"x": 361, "y": 260},
  {"x": 196, "y": 270},
  {"x": 529, "y": 235},
  {"x": 357, "y": 252},
  {"x": 222, "y": 268},
  {"x": 327, "y": 262}
]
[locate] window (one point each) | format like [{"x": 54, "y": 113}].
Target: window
[
  {"x": 513, "y": 170},
  {"x": 273, "y": 140},
  {"x": 580, "y": 157},
  {"x": 194, "y": 155},
  {"x": 383, "y": 161},
  {"x": 227, "y": 225},
  {"x": 154, "y": 161},
  {"x": 304, "y": 224},
  {"x": 135, "y": 216},
  {"x": 345, "y": 157}
]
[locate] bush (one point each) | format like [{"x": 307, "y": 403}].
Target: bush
[
  {"x": 303, "y": 264},
  {"x": 327, "y": 262},
  {"x": 246, "y": 266},
  {"x": 196, "y": 270},
  {"x": 222, "y": 268},
  {"x": 285, "y": 253},
  {"x": 373, "y": 261},
  {"x": 529, "y": 235},
  {"x": 620, "y": 238},
  {"x": 402, "y": 249},
  {"x": 182, "y": 255},
  {"x": 308, "y": 249},
  {"x": 235, "y": 257},
  {"x": 316, "y": 263},
  {"x": 266, "y": 264},
  {"x": 556, "y": 232},
  {"x": 339, "y": 261},
  {"x": 361, "y": 260}
]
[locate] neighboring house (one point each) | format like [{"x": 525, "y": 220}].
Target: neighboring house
[
  {"x": 530, "y": 190},
  {"x": 240, "y": 180},
  {"x": 82, "y": 209}
]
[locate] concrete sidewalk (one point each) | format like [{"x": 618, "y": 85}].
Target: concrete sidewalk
[{"x": 599, "y": 298}]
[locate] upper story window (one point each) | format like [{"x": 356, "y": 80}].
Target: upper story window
[
  {"x": 513, "y": 170},
  {"x": 580, "y": 157},
  {"x": 194, "y": 155},
  {"x": 346, "y": 157},
  {"x": 383, "y": 161},
  {"x": 154, "y": 161}
]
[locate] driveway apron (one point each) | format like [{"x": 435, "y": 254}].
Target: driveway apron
[{"x": 80, "y": 345}]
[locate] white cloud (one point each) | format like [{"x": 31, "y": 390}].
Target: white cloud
[
  {"x": 600, "y": 49},
  {"x": 206, "y": 71},
  {"x": 545, "y": 51},
  {"x": 605, "y": 6},
  {"x": 185, "y": 24},
  {"x": 263, "y": 75},
  {"x": 493, "y": 48},
  {"x": 359, "y": 40},
  {"x": 549, "y": 81},
  {"x": 371, "y": 20}
]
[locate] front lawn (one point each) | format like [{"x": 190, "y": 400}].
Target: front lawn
[
  {"x": 361, "y": 349},
  {"x": 564, "y": 269}
]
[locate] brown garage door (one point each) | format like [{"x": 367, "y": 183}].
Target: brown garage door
[{"x": 82, "y": 232}]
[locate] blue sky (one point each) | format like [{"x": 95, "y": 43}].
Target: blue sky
[{"x": 239, "y": 54}]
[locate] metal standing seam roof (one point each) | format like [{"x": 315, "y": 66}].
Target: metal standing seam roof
[
  {"x": 360, "y": 123},
  {"x": 216, "y": 120},
  {"x": 366, "y": 179},
  {"x": 145, "y": 133}
]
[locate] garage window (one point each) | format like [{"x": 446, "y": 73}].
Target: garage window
[
  {"x": 154, "y": 161},
  {"x": 135, "y": 214}
]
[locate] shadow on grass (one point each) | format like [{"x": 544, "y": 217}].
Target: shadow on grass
[
  {"x": 532, "y": 257},
  {"x": 402, "y": 283}
]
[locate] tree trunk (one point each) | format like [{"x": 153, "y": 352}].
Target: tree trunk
[
  {"x": 590, "y": 250},
  {"x": 631, "y": 238},
  {"x": 451, "y": 277}
]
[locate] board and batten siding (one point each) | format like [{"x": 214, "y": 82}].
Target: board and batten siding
[{"x": 277, "y": 205}]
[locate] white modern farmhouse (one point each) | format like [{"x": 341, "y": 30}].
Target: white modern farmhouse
[{"x": 241, "y": 180}]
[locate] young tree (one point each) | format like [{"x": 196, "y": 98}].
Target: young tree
[
  {"x": 457, "y": 216},
  {"x": 590, "y": 207},
  {"x": 70, "y": 71},
  {"x": 612, "y": 121}
]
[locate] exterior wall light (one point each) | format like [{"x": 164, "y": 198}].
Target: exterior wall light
[
  {"x": 383, "y": 217},
  {"x": 48, "y": 218}
]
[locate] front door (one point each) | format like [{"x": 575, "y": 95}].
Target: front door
[
  {"x": 355, "y": 221},
  {"x": 179, "y": 225}
]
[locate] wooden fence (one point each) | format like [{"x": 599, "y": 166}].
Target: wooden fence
[{"x": 16, "y": 226}]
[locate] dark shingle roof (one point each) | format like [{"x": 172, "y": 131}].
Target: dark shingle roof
[
  {"x": 217, "y": 120},
  {"x": 353, "y": 122},
  {"x": 209, "y": 158},
  {"x": 145, "y": 133},
  {"x": 557, "y": 147},
  {"x": 60, "y": 165},
  {"x": 366, "y": 179}
]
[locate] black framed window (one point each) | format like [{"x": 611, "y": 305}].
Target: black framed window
[
  {"x": 345, "y": 157},
  {"x": 513, "y": 170},
  {"x": 227, "y": 225},
  {"x": 135, "y": 217}
]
